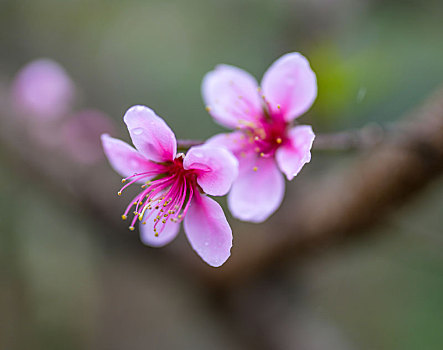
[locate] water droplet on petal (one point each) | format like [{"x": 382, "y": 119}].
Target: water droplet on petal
[{"x": 137, "y": 131}]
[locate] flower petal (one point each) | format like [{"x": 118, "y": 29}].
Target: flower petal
[
  {"x": 231, "y": 95},
  {"x": 290, "y": 86},
  {"x": 126, "y": 160},
  {"x": 232, "y": 141},
  {"x": 150, "y": 134},
  {"x": 208, "y": 230},
  {"x": 216, "y": 168},
  {"x": 296, "y": 152},
  {"x": 256, "y": 194},
  {"x": 168, "y": 233}
]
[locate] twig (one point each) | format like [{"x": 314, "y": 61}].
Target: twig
[{"x": 358, "y": 139}]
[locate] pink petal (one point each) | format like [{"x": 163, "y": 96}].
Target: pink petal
[
  {"x": 43, "y": 89},
  {"x": 147, "y": 235},
  {"x": 124, "y": 159},
  {"x": 256, "y": 194},
  {"x": 208, "y": 231},
  {"x": 216, "y": 168},
  {"x": 296, "y": 152},
  {"x": 290, "y": 86},
  {"x": 231, "y": 95},
  {"x": 150, "y": 134},
  {"x": 233, "y": 141}
]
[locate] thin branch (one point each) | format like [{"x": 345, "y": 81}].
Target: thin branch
[{"x": 357, "y": 139}]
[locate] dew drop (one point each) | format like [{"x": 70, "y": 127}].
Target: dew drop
[{"x": 137, "y": 131}]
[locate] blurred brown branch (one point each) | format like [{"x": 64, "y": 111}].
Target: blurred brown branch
[
  {"x": 338, "y": 204},
  {"x": 349, "y": 201}
]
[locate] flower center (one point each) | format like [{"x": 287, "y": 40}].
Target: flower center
[
  {"x": 166, "y": 197},
  {"x": 266, "y": 135}
]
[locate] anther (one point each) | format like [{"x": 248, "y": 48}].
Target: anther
[
  {"x": 119, "y": 193},
  {"x": 278, "y": 106},
  {"x": 279, "y": 140},
  {"x": 124, "y": 217},
  {"x": 262, "y": 154},
  {"x": 131, "y": 228},
  {"x": 255, "y": 168},
  {"x": 208, "y": 108},
  {"x": 123, "y": 181}
]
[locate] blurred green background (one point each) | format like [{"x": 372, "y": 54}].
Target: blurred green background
[{"x": 62, "y": 287}]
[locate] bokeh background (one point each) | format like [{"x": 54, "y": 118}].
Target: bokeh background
[{"x": 67, "y": 281}]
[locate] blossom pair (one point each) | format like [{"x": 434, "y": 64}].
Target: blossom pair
[{"x": 248, "y": 163}]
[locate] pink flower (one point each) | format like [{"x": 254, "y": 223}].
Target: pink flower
[
  {"x": 43, "y": 89},
  {"x": 174, "y": 186},
  {"x": 265, "y": 144}
]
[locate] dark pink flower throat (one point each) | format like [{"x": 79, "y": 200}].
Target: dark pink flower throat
[{"x": 166, "y": 198}]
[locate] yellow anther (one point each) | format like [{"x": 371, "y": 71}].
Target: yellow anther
[
  {"x": 255, "y": 168},
  {"x": 143, "y": 186},
  {"x": 131, "y": 228},
  {"x": 180, "y": 216},
  {"x": 166, "y": 215},
  {"x": 278, "y": 106},
  {"x": 135, "y": 213},
  {"x": 279, "y": 140},
  {"x": 256, "y": 138},
  {"x": 119, "y": 193},
  {"x": 123, "y": 181},
  {"x": 208, "y": 108},
  {"x": 164, "y": 221},
  {"x": 124, "y": 217},
  {"x": 144, "y": 222},
  {"x": 156, "y": 234},
  {"x": 262, "y": 154}
]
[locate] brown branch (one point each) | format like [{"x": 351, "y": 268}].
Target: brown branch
[{"x": 358, "y": 139}]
